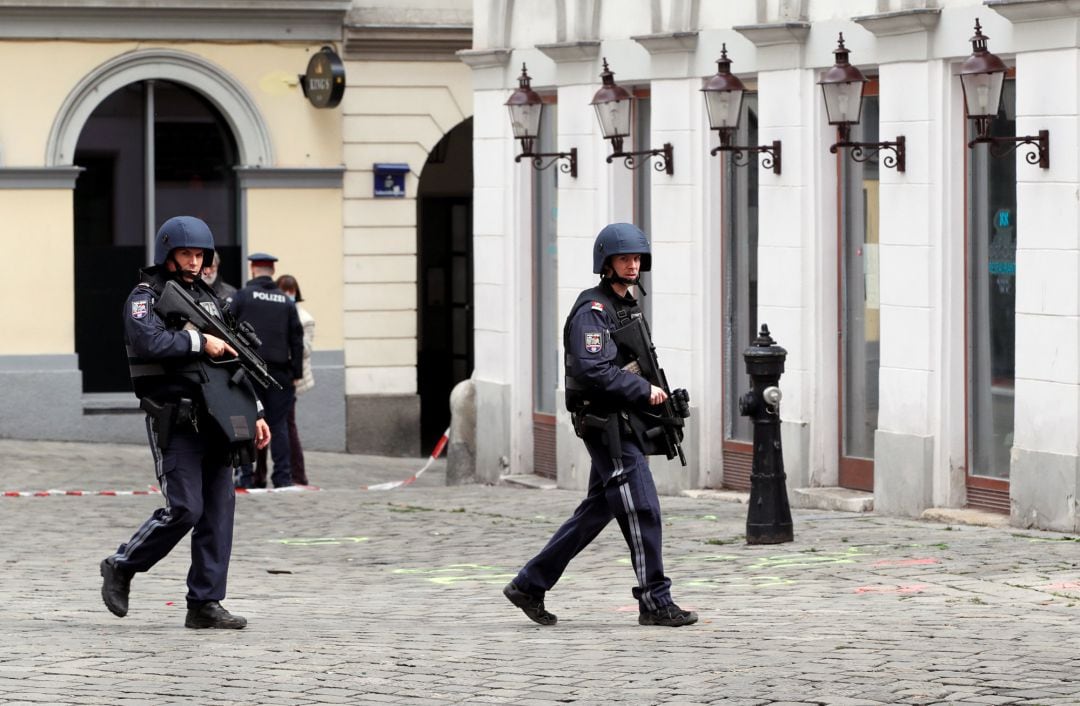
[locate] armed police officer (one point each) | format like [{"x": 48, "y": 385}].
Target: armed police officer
[
  {"x": 275, "y": 320},
  {"x": 614, "y": 411},
  {"x": 201, "y": 415}
]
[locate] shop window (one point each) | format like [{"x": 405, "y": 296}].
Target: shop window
[
  {"x": 546, "y": 322},
  {"x": 991, "y": 298},
  {"x": 740, "y": 251},
  {"x": 860, "y": 304}
]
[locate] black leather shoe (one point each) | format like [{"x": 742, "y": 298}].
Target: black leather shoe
[
  {"x": 115, "y": 588},
  {"x": 670, "y": 616},
  {"x": 531, "y": 605},
  {"x": 212, "y": 615}
]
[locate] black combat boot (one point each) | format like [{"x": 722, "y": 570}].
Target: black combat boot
[
  {"x": 115, "y": 588},
  {"x": 212, "y": 615},
  {"x": 531, "y": 605},
  {"x": 671, "y": 616}
]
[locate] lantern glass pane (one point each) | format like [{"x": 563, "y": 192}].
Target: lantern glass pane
[
  {"x": 614, "y": 117},
  {"x": 843, "y": 101},
  {"x": 525, "y": 119},
  {"x": 982, "y": 93},
  {"x": 724, "y": 108}
]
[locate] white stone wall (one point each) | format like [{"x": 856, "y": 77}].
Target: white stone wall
[{"x": 922, "y": 435}]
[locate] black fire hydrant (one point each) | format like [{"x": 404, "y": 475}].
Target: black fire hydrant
[{"x": 768, "y": 521}]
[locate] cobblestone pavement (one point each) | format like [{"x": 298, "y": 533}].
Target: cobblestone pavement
[{"x": 360, "y": 597}]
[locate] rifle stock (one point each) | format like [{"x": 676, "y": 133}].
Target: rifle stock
[{"x": 176, "y": 302}]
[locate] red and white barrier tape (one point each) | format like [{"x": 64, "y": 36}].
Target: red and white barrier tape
[
  {"x": 50, "y": 493},
  {"x": 154, "y": 490},
  {"x": 435, "y": 453}
]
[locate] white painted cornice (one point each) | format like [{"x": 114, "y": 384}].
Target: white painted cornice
[
  {"x": 213, "y": 20},
  {"x": 1034, "y": 10},
  {"x": 668, "y": 42},
  {"x": 891, "y": 24},
  {"x": 484, "y": 58},
  {"x": 560, "y": 52},
  {"x": 775, "y": 33}
]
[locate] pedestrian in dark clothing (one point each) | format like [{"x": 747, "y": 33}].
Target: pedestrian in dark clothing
[
  {"x": 222, "y": 289},
  {"x": 276, "y": 323},
  {"x": 289, "y": 285},
  {"x": 602, "y": 394},
  {"x": 193, "y": 452}
]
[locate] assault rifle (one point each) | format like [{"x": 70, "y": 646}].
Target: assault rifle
[
  {"x": 176, "y": 302},
  {"x": 666, "y": 427}
]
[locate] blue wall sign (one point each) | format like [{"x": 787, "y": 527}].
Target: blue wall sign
[{"x": 390, "y": 179}]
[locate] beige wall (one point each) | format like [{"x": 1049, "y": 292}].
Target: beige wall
[
  {"x": 36, "y": 234},
  {"x": 393, "y": 112},
  {"x": 302, "y": 228},
  {"x": 302, "y": 136}
]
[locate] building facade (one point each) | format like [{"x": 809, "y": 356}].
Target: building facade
[
  {"x": 929, "y": 307},
  {"x": 154, "y": 108}
]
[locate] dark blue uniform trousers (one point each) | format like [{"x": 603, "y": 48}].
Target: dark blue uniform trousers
[
  {"x": 197, "y": 485},
  {"x": 620, "y": 488}
]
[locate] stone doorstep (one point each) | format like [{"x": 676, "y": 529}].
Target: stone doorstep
[
  {"x": 965, "y": 516},
  {"x": 841, "y": 499},
  {"x": 832, "y": 498},
  {"x": 529, "y": 480}
]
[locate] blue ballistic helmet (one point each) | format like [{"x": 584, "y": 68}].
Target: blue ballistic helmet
[
  {"x": 621, "y": 239},
  {"x": 183, "y": 232}
]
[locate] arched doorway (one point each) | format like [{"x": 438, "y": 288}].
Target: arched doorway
[
  {"x": 444, "y": 275},
  {"x": 139, "y": 172}
]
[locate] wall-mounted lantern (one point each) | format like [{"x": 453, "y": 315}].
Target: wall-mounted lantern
[
  {"x": 842, "y": 87},
  {"x": 982, "y": 77},
  {"x": 723, "y": 101},
  {"x": 526, "y": 108},
  {"x": 612, "y": 103}
]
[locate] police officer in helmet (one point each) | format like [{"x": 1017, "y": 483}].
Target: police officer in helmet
[
  {"x": 275, "y": 320},
  {"x": 601, "y": 394},
  {"x": 193, "y": 456}
]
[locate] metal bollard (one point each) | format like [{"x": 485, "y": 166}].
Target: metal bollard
[{"x": 768, "y": 520}]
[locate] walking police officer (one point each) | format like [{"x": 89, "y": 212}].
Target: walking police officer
[
  {"x": 275, "y": 320},
  {"x": 193, "y": 453},
  {"x": 602, "y": 397}
]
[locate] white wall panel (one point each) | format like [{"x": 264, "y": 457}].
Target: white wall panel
[
  {"x": 1050, "y": 286},
  {"x": 907, "y": 331}
]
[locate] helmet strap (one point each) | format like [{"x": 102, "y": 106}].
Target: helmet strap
[
  {"x": 178, "y": 273},
  {"x": 630, "y": 282}
]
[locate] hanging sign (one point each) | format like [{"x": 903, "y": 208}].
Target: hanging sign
[{"x": 324, "y": 82}]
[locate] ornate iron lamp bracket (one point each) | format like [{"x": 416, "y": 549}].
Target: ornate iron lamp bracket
[
  {"x": 740, "y": 155},
  {"x": 1004, "y": 146},
  {"x": 537, "y": 159},
  {"x": 664, "y": 163},
  {"x": 863, "y": 151}
]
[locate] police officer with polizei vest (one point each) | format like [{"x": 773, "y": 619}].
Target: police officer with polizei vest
[
  {"x": 611, "y": 406},
  {"x": 202, "y": 416},
  {"x": 275, "y": 320}
]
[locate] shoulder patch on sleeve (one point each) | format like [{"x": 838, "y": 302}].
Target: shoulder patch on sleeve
[
  {"x": 598, "y": 306},
  {"x": 139, "y": 307},
  {"x": 593, "y": 341}
]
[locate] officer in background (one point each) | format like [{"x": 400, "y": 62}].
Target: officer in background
[
  {"x": 193, "y": 456},
  {"x": 273, "y": 315},
  {"x": 602, "y": 396}
]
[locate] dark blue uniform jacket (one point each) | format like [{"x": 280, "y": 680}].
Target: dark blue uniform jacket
[
  {"x": 274, "y": 317},
  {"x": 162, "y": 357},
  {"x": 593, "y": 364}
]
